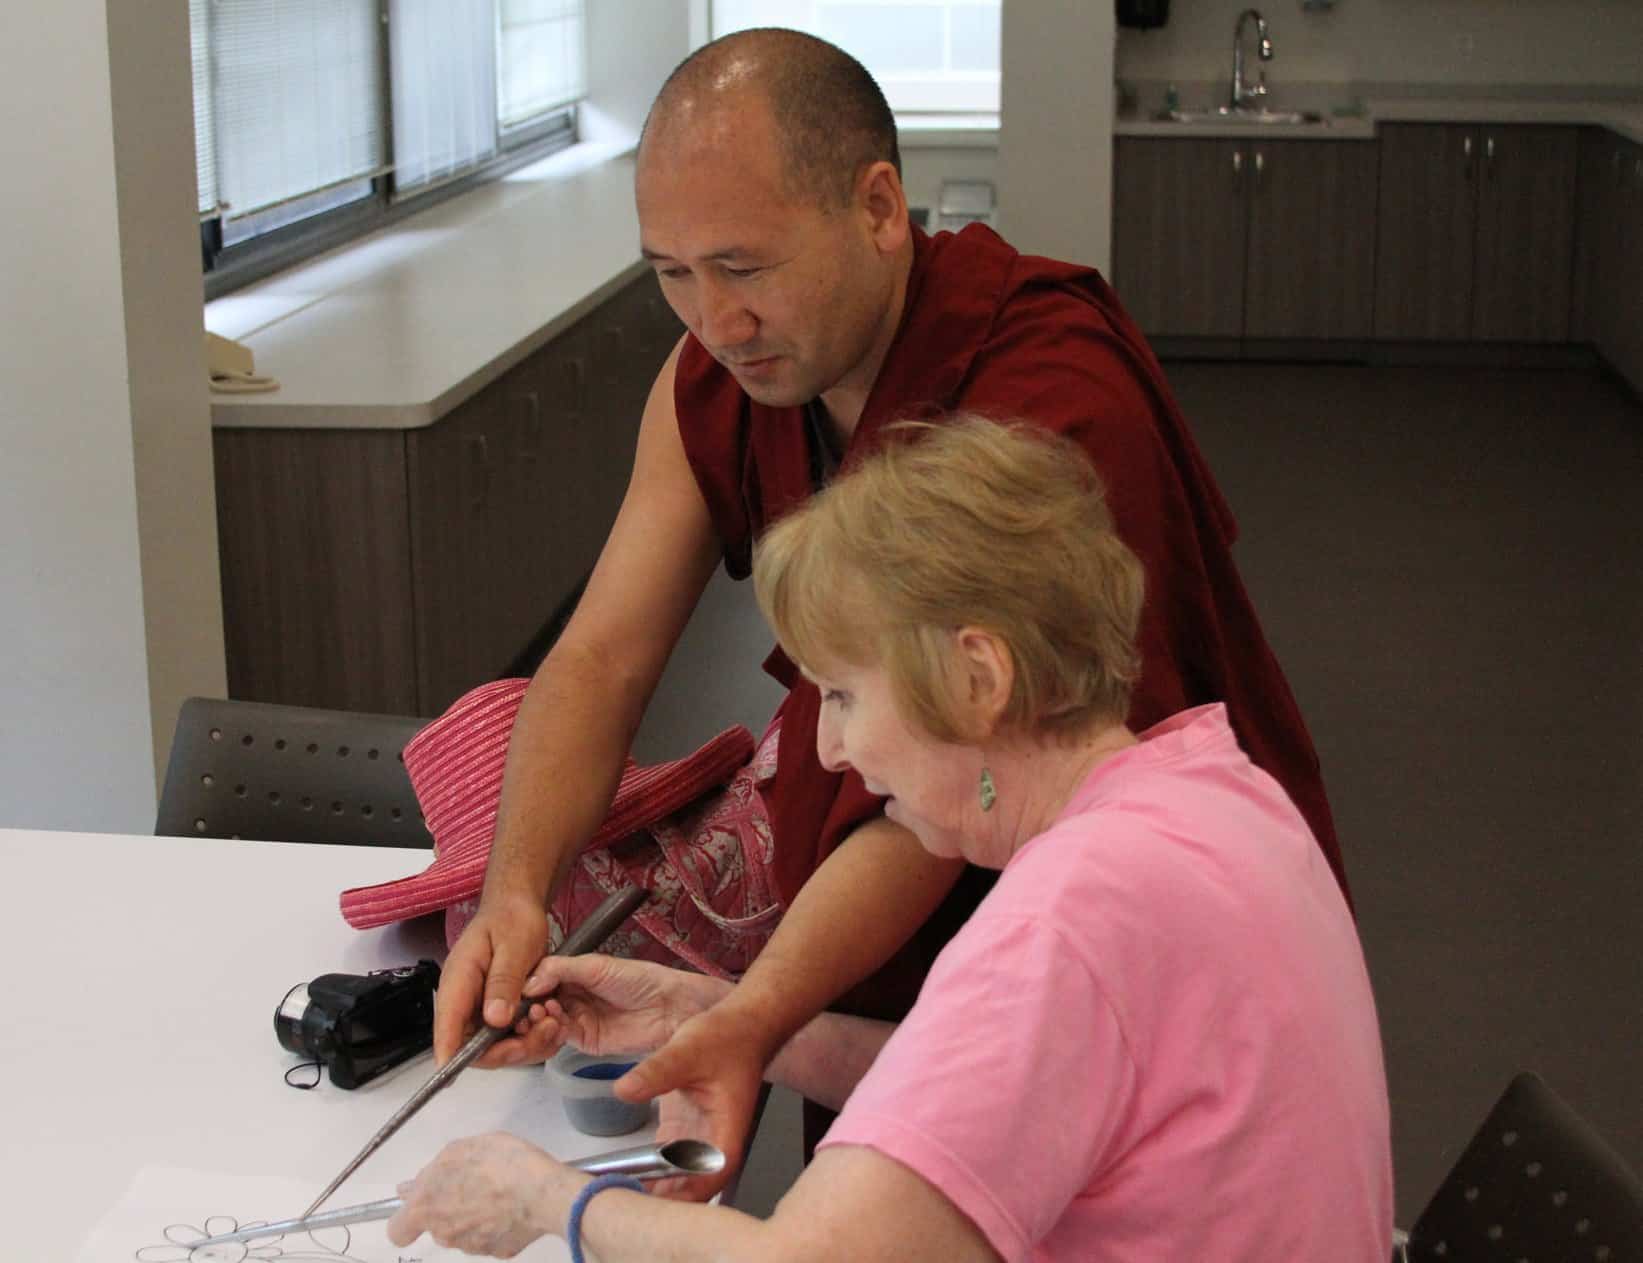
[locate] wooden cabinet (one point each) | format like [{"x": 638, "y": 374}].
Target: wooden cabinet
[
  {"x": 387, "y": 570},
  {"x": 1180, "y": 230},
  {"x": 312, "y": 528},
  {"x": 1311, "y": 224},
  {"x": 1425, "y": 230},
  {"x": 1245, "y": 238},
  {"x": 1608, "y": 277},
  {"x": 1475, "y": 232}
]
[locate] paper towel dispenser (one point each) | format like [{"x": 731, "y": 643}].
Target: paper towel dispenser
[{"x": 1143, "y": 13}]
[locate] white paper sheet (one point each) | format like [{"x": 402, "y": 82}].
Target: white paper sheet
[{"x": 166, "y": 1209}]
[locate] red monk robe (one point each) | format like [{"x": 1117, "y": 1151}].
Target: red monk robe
[{"x": 989, "y": 330}]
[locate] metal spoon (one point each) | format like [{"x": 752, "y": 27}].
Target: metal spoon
[{"x": 645, "y": 1162}]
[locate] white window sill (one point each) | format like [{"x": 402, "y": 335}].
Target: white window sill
[{"x": 948, "y": 131}]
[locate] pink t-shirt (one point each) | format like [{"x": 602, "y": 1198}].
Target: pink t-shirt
[{"x": 1155, "y": 1040}]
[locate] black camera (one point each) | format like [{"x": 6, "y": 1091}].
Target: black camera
[{"x": 360, "y": 1025}]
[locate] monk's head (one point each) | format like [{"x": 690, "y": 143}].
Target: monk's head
[{"x": 770, "y": 204}]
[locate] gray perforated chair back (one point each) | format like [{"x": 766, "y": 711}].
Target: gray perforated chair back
[
  {"x": 1536, "y": 1184},
  {"x": 290, "y": 774}
]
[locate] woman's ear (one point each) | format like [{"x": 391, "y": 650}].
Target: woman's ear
[{"x": 989, "y": 678}]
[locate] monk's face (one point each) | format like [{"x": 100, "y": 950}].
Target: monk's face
[{"x": 792, "y": 295}]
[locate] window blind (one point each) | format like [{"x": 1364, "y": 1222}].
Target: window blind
[
  {"x": 296, "y": 97},
  {"x": 539, "y": 57},
  {"x": 444, "y": 88},
  {"x": 205, "y": 136},
  {"x": 293, "y": 101}
]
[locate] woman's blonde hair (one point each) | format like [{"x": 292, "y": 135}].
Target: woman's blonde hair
[{"x": 963, "y": 522}]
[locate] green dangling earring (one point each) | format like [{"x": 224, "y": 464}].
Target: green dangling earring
[{"x": 989, "y": 795}]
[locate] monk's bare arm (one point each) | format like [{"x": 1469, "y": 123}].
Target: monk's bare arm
[
  {"x": 855, "y": 912},
  {"x": 578, "y": 718}
]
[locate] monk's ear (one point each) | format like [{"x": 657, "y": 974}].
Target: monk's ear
[
  {"x": 883, "y": 203},
  {"x": 988, "y": 673}
]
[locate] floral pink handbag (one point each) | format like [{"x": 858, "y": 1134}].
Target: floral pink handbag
[{"x": 693, "y": 832}]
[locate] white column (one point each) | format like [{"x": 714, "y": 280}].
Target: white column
[
  {"x": 1055, "y": 130},
  {"x": 153, "y": 111}
]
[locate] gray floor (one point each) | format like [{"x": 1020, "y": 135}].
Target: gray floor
[{"x": 1450, "y": 565}]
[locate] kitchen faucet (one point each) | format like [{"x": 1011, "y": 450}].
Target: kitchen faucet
[{"x": 1245, "y": 97}]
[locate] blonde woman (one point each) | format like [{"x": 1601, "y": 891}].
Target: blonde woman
[{"x": 1155, "y": 1040}]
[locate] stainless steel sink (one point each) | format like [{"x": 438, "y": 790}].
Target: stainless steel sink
[{"x": 1254, "y": 117}]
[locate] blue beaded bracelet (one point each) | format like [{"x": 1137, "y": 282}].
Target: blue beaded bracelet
[{"x": 573, "y": 1227}]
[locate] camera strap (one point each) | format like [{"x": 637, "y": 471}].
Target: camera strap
[{"x": 316, "y": 1066}]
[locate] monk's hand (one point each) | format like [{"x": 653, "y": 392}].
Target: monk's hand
[
  {"x": 491, "y": 1195},
  {"x": 708, "y": 1076},
  {"x": 602, "y": 1004},
  {"x": 487, "y": 967}
]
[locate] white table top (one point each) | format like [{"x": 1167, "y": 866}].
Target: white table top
[{"x": 142, "y": 976}]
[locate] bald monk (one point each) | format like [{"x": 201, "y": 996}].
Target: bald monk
[{"x": 771, "y": 207}]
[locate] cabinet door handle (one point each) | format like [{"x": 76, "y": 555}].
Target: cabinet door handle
[
  {"x": 533, "y": 426},
  {"x": 1260, "y": 165},
  {"x": 479, "y": 471},
  {"x": 576, "y": 386},
  {"x": 1489, "y": 149},
  {"x": 1466, "y": 151},
  {"x": 1237, "y": 168}
]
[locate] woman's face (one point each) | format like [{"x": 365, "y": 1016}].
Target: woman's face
[{"x": 930, "y": 784}]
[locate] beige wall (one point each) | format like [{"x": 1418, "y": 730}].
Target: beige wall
[
  {"x": 633, "y": 45},
  {"x": 1461, "y": 42},
  {"x": 75, "y": 748}
]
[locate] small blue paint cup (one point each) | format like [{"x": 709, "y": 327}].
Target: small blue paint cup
[{"x": 584, "y": 1081}]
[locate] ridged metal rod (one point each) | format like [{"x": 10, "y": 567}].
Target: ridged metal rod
[{"x": 587, "y": 937}]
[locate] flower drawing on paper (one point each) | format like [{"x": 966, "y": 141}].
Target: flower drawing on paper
[{"x": 183, "y": 1245}]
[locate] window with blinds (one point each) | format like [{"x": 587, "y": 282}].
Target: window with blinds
[
  {"x": 304, "y": 107},
  {"x": 540, "y": 60},
  {"x": 929, "y": 56}
]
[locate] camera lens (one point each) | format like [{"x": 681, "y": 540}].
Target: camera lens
[{"x": 293, "y": 1029}]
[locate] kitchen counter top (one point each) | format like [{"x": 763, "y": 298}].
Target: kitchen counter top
[
  {"x": 1624, "y": 118},
  {"x": 394, "y": 331},
  {"x": 1350, "y": 127}
]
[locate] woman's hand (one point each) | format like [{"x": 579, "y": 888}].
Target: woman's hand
[
  {"x": 708, "y": 1062},
  {"x": 490, "y": 1195},
  {"x": 708, "y": 1076},
  {"x": 606, "y": 1005}
]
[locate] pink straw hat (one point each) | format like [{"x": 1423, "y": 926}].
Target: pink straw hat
[{"x": 455, "y": 766}]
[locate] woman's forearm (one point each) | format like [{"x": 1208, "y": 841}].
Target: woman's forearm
[{"x": 620, "y": 1225}]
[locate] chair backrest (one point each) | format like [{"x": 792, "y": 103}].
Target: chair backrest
[
  {"x": 1536, "y": 1183},
  {"x": 290, "y": 774}
]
